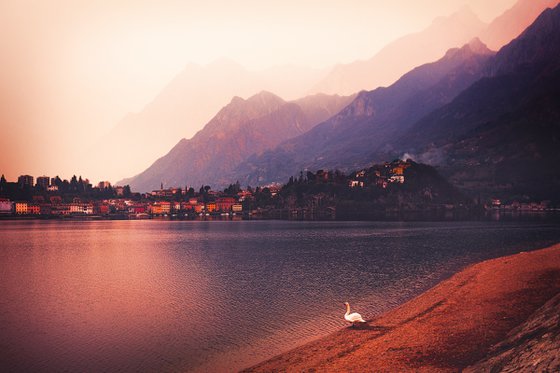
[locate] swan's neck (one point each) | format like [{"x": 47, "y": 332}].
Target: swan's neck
[{"x": 347, "y": 309}]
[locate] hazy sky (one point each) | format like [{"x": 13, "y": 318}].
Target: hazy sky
[{"x": 69, "y": 70}]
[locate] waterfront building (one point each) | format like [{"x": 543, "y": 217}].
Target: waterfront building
[
  {"x": 21, "y": 208},
  {"x": 43, "y": 182},
  {"x": 25, "y": 181},
  {"x": 211, "y": 207},
  {"x": 33, "y": 209},
  {"x": 225, "y": 204},
  {"x": 104, "y": 185},
  {"x": 6, "y": 207}
]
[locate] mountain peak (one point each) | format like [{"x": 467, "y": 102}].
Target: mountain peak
[
  {"x": 266, "y": 98},
  {"x": 473, "y": 47},
  {"x": 262, "y": 98},
  {"x": 235, "y": 100},
  {"x": 465, "y": 16},
  {"x": 264, "y": 94},
  {"x": 477, "y": 46}
]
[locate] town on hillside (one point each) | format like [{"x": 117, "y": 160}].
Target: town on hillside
[{"x": 371, "y": 193}]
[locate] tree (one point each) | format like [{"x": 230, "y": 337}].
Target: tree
[
  {"x": 190, "y": 192},
  {"x": 233, "y": 189},
  {"x": 57, "y": 181}
]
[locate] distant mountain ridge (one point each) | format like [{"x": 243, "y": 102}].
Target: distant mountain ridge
[
  {"x": 241, "y": 128},
  {"x": 429, "y": 44},
  {"x": 188, "y": 101},
  {"x": 373, "y": 121},
  {"x": 491, "y": 122},
  {"x": 403, "y": 54},
  {"x": 513, "y": 21},
  {"x": 481, "y": 117}
]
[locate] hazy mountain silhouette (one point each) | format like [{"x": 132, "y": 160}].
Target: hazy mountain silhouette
[
  {"x": 513, "y": 21},
  {"x": 373, "y": 121},
  {"x": 241, "y": 128},
  {"x": 413, "y": 50},
  {"x": 403, "y": 54},
  {"x": 188, "y": 101}
]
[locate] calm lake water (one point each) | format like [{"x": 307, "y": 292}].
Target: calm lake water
[{"x": 180, "y": 296}]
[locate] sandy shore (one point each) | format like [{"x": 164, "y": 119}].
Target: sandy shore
[{"x": 451, "y": 326}]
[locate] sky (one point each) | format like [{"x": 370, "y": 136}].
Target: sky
[{"x": 70, "y": 70}]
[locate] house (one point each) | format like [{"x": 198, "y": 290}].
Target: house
[
  {"x": 137, "y": 209},
  {"x": 21, "y": 208},
  {"x": 6, "y": 207},
  {"x": 25, "y": 181},
  {"x": 356, "y": 184},
  {"x": 187, "y": 206},
  {"x": 80, "y": 208},
  {"x": 397, "y": 179},
  {"x": 119, "y": 191},
  {"x": 225, "y": 204},
  {"x": 43, "y": 182},
  {"x": 156, "y": 209},
  {"x": 45, "y": 209},
  {"x": 165, "y": 207},
  {"x": 211, "y": 207},
  {"x": 33, "y": 209}
]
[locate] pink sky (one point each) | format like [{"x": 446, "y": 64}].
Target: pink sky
[{"x": 71, "y": 70}]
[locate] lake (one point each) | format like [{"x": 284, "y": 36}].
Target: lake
[{"x": 179, "y": 296}]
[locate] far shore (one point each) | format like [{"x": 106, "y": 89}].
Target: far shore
[{"x": 446, "y": 329}]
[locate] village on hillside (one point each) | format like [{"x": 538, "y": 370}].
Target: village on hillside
[{"x": 322, "y": 195}]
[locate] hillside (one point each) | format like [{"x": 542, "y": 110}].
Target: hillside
[
  {"x": 500, "y": 136},
  {"x": 373, "y": 121},
  {"x": 490, "y": 123},
  {"x": 457, "y": 323},
  {"x": 513, "y": 21},
  {"x": 241, "y": 128},
  {"x": 189, "y": 101}
]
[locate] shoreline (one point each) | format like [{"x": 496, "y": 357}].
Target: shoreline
[
  {"x": 548, "y": 215},
  {"x": 447, "y": 328}
]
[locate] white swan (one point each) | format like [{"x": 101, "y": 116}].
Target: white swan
[{"x": 352, "y": 317}]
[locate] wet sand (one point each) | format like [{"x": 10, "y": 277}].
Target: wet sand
[{"x": 449, "y": 327}]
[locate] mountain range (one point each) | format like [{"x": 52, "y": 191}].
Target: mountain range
[
  {"x": 502, "y": 134},
  {"x": 412, "y": 50},
  {"x": 488, "y": 120},
  {"x": 198, "y": 92},
  {"x": 497, "y": 133},
  {"x": 403, "y": 54},
  {"x": 188, "y": 102},
  {"x": 373, "y": 121},
  {"x": 241, "y": 128}
]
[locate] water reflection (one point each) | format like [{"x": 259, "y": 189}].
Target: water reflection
[{"x": 214, "y": 296}]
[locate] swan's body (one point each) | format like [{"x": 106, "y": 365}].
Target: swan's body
[{"x": 352, "y": 317}]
